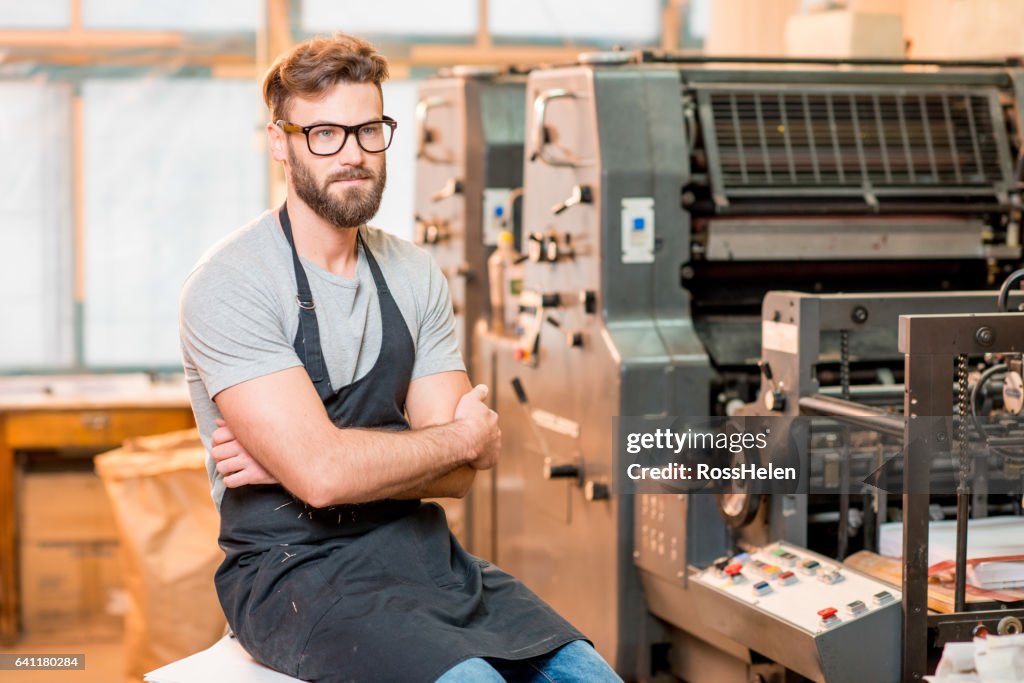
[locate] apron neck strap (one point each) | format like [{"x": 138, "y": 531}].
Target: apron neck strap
[{"x": 304, "y": 295}]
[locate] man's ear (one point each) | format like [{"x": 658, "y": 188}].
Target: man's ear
[{"x": 278, "y": 143}]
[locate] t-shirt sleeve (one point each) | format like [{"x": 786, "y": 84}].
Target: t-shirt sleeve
[
  {"x": 437, "y": 345},
  {"x": 230, "y": 329}
]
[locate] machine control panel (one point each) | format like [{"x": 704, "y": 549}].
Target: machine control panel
[{"x": 809, "y": 591}]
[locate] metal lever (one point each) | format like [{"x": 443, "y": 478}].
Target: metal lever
[
  {"x": 581, "y": 194},
  {"x": 453, "y": 186},
  {"x": 517, "y": 387},
  {"x": 422, "y": 107},
  {"x": 539, "y": 134},
  {"x": 560, "y": 471}
]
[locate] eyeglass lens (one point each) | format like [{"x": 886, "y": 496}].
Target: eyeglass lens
[{"x": 327, "y": 139}]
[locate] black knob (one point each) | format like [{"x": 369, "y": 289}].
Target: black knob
[
  {"x": 552, "y": 471},
  {"x": 596, "y": 490},
  {"x": 775, "y": 401},
  {"x": 766, "y": 369},
  {"x": 550, "y": 300},
  {"x": 535, "y": 247},
  {"x": 575, "y": 339},
  {"x": 589, "y": 301}
]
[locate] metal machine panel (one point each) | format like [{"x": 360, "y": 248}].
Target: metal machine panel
[
  {"x": 469, "y": 161},
  {"x": 468, "y": 166},
  {"x": 783, "y": 621},
  {"x": 859, "y": 140},
  {"x": 854, "y": 238}
]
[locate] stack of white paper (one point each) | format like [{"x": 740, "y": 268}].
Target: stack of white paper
[{"x": 989, "y": 537}]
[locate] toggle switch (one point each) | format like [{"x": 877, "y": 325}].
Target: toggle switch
[
  {"x": 786, "y": 578},
  {"x": 856, "y": 608},
  {"x": 831, "y": 577},
  {"x": 882, "y": 598},
  {"x": 581, "y": 194},
  {"x": 452, "y": 187},
  {"x": 829, "y": 617}
]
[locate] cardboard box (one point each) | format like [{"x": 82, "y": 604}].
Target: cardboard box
[
  {"x": 65, "y": 505},
  {"x": 70, "y": 588},
  {"x": 69, "y": 573},
  {"x": 861, "y": 6},
  {"x": 748, "y": 28},
  {"x": 841, "y": 33}
]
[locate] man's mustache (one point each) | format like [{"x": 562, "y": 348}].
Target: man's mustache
[{"x": 350, "y": 175}]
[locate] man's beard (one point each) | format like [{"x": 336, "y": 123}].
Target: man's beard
[{"x": 359, "y": 205}]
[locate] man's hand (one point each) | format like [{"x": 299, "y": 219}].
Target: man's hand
[
  {"x": 483, "y": 425},
  {"x": 234, "y": 462}
]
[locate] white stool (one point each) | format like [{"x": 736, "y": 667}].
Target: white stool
[{"x": 225, "y": 661}]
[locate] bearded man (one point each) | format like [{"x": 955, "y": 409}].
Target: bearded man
[{"x": 327, "y": 384}]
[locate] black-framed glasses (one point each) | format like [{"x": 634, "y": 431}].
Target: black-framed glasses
[{"x": 325, "y": 139}]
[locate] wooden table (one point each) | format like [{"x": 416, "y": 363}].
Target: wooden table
[{"x": 35, "y": 420}]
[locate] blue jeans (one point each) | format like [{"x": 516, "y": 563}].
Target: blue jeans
[{"x": 577, "y": 661}]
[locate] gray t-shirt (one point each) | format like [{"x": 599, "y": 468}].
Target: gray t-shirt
[{"x": 238, "y": 315}]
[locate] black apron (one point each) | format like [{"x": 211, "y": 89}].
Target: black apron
[{"x": 374, "y": 592}]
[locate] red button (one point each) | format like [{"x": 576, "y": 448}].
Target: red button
[
  {"x": 827, "y": 613},
  {"x": 519, "y": 354},
  {"x": 733, "y": 569}
]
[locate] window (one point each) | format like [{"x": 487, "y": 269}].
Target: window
[
  {"x": 37, "y": 14},
  {"x": 568, "y": 20},
  {"x": 397, "y": 17},
  {"x": 174, "y": 15},
  {"x": 171, "y": 166},
  {"x": 35, "y": 226}
]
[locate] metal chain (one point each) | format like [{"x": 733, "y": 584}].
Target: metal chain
[
  {"x": 844, "y": 363},
  {"x": 963, "y": 396}
]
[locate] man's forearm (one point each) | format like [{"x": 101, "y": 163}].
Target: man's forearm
[
  {"x": 359, "y": 465},
  {"x": 455, "y": 484}
]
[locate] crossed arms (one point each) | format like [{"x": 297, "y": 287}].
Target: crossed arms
[{"x": 278, "y": 431}]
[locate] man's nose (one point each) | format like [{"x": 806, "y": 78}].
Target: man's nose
[{"x": 350, "y": 154}]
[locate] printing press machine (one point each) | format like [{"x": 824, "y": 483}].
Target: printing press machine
[
  {"x": 664, "y": 196},
  {"x": 469, "y": 161},
  {"x": 900, "y": 439}
]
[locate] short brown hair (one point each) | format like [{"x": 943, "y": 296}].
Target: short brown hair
[{"x": 312, "y": 67}]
